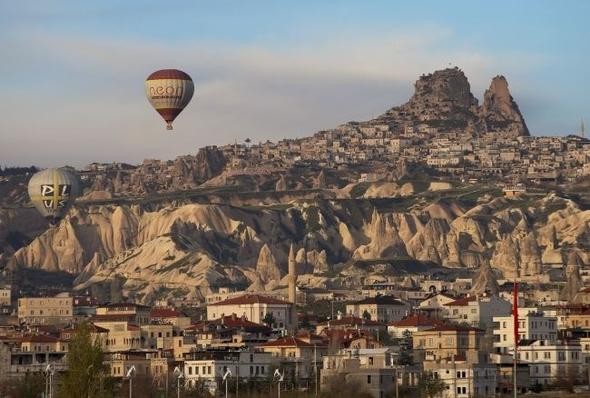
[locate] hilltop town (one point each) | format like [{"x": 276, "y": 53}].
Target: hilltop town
[{"x": 377, "y": 258}]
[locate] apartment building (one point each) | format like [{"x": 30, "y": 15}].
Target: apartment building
[
  {"x": 56, "y": 310},
  {"x": 549, "y": 362},
  {"x": 370, "y": 369},
  {"x": 379, "y": 308},
  {"x": 477, "y": 311},
  {"x": 210, "y": 366},
  {"x": 463, "y": 377},
  {"x": 255, "y": 308},
  {"x": 446, "y": 341},
  {"x": 532, "y": 325},
  {"x": 297, "y": 357}
]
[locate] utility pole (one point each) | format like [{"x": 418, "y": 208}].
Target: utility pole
[
  {"x": 396, "y": 382},
  {"x": 315, "y": 369},
  {"x": 237, "y": 376}
]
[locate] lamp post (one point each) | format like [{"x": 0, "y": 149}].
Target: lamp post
[
  {"x": 179, "y": 375},
  {"x": 88, "y": 375},
  {"x": 226, "y": 379},
  {"x": 49, "y": 371},
  {"x": 130, "y": 375},
  {"x": 315, "y": 368},
  {"x": 279, "y": 377}
]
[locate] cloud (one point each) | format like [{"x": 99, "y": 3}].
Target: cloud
[{"x": 85, "y": 103}]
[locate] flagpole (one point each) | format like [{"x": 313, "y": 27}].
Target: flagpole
[{"x": 516, "y": 335}]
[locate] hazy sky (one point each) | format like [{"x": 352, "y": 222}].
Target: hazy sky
[{"x": 72, "y": 72}]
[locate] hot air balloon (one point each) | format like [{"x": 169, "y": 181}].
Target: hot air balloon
[
  {"x": 53, "y": 192},
  {"x": 169, "y": 91}
]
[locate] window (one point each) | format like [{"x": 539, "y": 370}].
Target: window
[
  {"x": 368, "y": 379},
  {"x": 190, "y": 370},
  {"x": 209, "y": 370}
]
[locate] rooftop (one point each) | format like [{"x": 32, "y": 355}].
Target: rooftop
[
  {"x": 252, "y": 299},
  {"x": 380, "y": 300}
]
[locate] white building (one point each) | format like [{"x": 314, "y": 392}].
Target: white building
[
  {"x": 379, "y": 308},
  {"x": 532, "y": 325},
  {"x": 464, "y": 378},
  {"x": 551, "y": 361},
  {"x": 210, "y": 366},
  {"x": 255, "y": 308},
  {"x": 434, "y": 305},
  {"x": 477, "y": 311}
]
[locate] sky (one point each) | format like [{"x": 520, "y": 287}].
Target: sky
[{"x": 72, "y": 72}]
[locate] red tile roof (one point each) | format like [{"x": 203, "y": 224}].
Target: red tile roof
[
  {"x": 352, "y": 321},
  {"x": 39, "y": 338},
  {"x": 164, "y": 313},
  {"x": 113, "y": 318},
  {"x": 233, "y": 322},
  {"x": 288, "y": 341},
  {"x": 415, "y": 320},
  {"x": 251, "y": 299},
  {"x": 462, "y": 301}
]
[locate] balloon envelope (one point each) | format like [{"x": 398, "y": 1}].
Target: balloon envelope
[
  {"x": 169, "y": 91},
  {"x": 53, "y": 192}
]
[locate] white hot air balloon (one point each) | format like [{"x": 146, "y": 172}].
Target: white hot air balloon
[
  {"x": 53, "y": 191},
  {"x": 169, "y": 91}
]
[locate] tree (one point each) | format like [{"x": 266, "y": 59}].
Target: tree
[
  {"x": 405, "y": 356},
  {"x": 430, "y": 385},
  {"x": 366, "y": 315},
  {"x": 32, "y": 385},
  {"x": 85, "y": 377},
  {"x": 269, "y": 320}
]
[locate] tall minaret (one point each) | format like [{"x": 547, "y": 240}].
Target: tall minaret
[
  {"x": 582, "y": 129},
  {"x": 292, "y": 285}
]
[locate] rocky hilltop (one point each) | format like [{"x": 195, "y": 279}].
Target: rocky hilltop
[
  {"x": 358, "y": 202},
  {"x": 443, "y": 100}
]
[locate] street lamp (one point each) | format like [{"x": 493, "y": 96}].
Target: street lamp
[
  {"x": 225, "y": 379},
  {"x": 130, "y": 375},
  {"x": 49, "y": 371},
  {"x": 88, "y": 375},
  {"x": 179, "y": 375},
  {"x": 279, "y": 377}
]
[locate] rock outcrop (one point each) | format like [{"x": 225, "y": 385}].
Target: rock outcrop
[
  {"x": 485, "y": 282},
  {"x": 152, "y": 251},
  {"x": 499, "y": 110}
]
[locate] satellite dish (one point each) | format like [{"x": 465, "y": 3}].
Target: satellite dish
[
  {"x": 131, "y": 372},
  {"x": 226, "y": 374}
]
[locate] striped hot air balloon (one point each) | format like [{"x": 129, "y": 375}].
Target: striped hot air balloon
[
  {"x": 169, "y": 91},
  {"x": 53, "y": 191}
]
